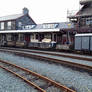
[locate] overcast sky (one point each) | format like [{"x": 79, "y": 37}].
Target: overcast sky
[{"x": 41, "y": 11}]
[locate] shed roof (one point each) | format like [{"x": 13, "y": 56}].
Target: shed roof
[
  {"x": 11, "y": 17},
  {"x": 39, "y": 28},
  {"x": 86, "y": 34}
]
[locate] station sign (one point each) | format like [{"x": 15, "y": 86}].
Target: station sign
[
  {"x": 28, "y": 27},
  {"x": 50, "y": 26}
]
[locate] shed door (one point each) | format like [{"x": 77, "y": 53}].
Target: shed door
[
  {"x": 85, "y": 43},
  {"x": 77, "y": 43},
  {"x": 27, "y": 37},
  {"x": 91, "y": 43}
]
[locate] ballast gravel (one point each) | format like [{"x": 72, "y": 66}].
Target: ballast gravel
[
  {"x": 85, "y": 62},
  {"x": 10, "y": 83},
  {"x": 60, "y": 53},
  {"x": 80, "y": 81}
]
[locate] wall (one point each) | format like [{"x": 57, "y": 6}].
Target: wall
[{"x": 25, "y": 20}]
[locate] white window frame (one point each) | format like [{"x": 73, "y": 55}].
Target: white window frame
[
  {"x": 2, "y": 25},
  {"x": 20, "y": 24},
  {"x": 9, "y": 24}
]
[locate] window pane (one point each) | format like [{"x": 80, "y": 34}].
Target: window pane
[
  {"x": 20, "y": 24},
  {"x": 9, "y": 25},
  {"x": 13, "y": 25},
  {"x": 9, "y": 36},
  {"x": 21, "y": 37},
  {"x": 2, "y": 25}
]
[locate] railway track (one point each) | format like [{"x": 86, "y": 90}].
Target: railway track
[
  {"x": 51, "y": 53},
  {"x": 49, "y": 59},
  {"x": 36, "y": 80}
]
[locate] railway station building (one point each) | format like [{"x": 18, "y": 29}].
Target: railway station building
[
  {"x": 21, "y": 29},
  {"x": 82, "y": 19}
]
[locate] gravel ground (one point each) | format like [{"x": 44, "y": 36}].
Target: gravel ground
[
  {"x": 85, "y": 62},
  {"x": 68, "y": 59},
  {"x": 73, "y": 79},
  {"x": 62, "y": 53},
  {"x": 9, "y": 83}
]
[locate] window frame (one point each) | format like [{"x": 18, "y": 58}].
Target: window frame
[
  {"x": 9, "y": 25},
  {"x": 2, "y": 25}
]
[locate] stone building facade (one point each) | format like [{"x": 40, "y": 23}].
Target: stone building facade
[{"x": 15, "y": 22}]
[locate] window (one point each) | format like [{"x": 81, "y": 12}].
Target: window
[
  {"x": 21, "y": 37},
  {"x": 9, "y": 25},
  {"x": 2, "y": 25},
  {"x": 32, "y": 36},
  {"x": 13, "y": 25},
  {"x": 37, "y": 36},
  {"x": 47, "y": 36},
  {"x": 9, "y": 37},
  {"x": 89, "y": 21},
  {"x": 20, "y": 24}
]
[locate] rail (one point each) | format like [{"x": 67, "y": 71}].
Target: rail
[
  {"x": 62, "y": 55},
  {"x": 63, "y": 62},
  {"x": 11, "y": 68},
  {"x": 49, "y": 53}
]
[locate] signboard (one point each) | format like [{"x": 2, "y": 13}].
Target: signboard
[
  {"x": 50, "y": 26},
  {"x": 28, "y": 27}
]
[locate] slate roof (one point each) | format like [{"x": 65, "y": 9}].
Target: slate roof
[
  {"x": 85, "y": 11},
  {"x": 11, "y": 17},
  {"x": 83, "y": 2},
  {"x": 66, "y": 25},
  {"x": 39, "y": 28},
  {"x": 61, "y": 25},
  {"x": 86, "y": 34}
]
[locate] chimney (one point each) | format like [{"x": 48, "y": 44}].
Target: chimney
[{"x": 25, "y": 11}]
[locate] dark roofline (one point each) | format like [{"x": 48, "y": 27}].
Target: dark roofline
[
  {"x": 80, "y": 16},
  {"x": 19, "y": 18},
  {"x": 8, "y": 20},
  {"x": 85, "y": 2},
  {"x": 77, "y": 15},
  {"x": 31, "y": 18},
  {"x": 12, "y": 19}
]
